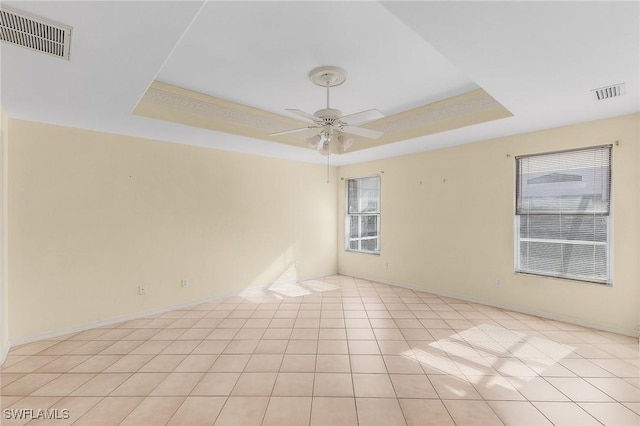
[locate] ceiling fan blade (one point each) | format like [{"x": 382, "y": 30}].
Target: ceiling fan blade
[
  {"x": 303, "y": 114},
  {"x": 289, "y": 131},
  {"x": 359, "y": 131},
  {"x": 362, "y": 117}
]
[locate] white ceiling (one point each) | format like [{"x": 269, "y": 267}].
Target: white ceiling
[{"x": 538, "y": 59}]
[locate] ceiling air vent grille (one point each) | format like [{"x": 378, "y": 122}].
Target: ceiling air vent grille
[
  {"x": 35, "y": 33},
  {"x": 608, "y": 92}
]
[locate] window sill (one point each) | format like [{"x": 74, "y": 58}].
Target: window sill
[
  {"x": 375, "y": 253},
  {"x": 553, "y": 277}
]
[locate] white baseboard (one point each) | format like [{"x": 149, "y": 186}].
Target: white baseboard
[
  {"x": 514, "y": 308},
  {"x": 142, "y": 314}
]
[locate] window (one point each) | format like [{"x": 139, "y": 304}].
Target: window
[
  {"x": 363, "y": 215},
  {"x": 562, "y": 214}
]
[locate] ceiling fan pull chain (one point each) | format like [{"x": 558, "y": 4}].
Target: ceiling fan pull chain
[{"x": 328, "y": 155}]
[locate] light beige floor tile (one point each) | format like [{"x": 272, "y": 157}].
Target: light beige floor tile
[
  {"x": 333, "y": 412},
  {"x": 196, "y": 364},
  {"x": 294, "y": 384},
  {"x": 363, "y": 347},
  {"x": 121, "y": 347},
  {"x": 403, "y": 364},
  {"x": 537, "y": 389},
  {"x": 333, "y": 347},
  {"x": 109, "y": 411},
  {"x": 578, "y": 389},
  {"x": 425, "y": 412},
  {"x": 255, "y": 384},
  {"x": 6, "y": 378},
  {"x": 153, "y": 411},
  {"x": 495, "y": 387},
  {"x": 33, "y": 348},
  {"x": 296, "y": 347},
  {"x": 617, "y": 389},
  {"x": 277, "y": 334},
  {"x": 63, "y": 385},
  {"x": 162, "y": 364},
  {"x": 633, "y": 406},
  {"x": 288, "y": 411},
  {"x": 372, "y": 385},
  {"x": 129, "y": 364},
  {"x": 471, "y": 413},
  {"x": 75, "y": 406},
  {"x": 221, "y": 333},
  {"x": 150, "y": 347},
  {"x": 27, "y": 384},
  {"x": 298, "y": 363},
  {"x": 360, "y": 333},
  {"x": 585, "y": 368},
  {"x": 243, "y": 410},
  {"x": 271, "y": 346},
  {"x": 379, "y": 412},
  {"x": 333, "y": 384},
  {"x": 620, "y": 368},
  {"x": 412, "y": 386},
  {"x": 518, "y": 413},
  {"x": 197, "y": 411},
  {"x": 612, "y": 413},
  {"x": 101, "y": 384},
  {"x": 304, "y": 334},
  {"x": 177, "y": 384},
  {"x": 11, "y": 359},
  {"x": 139, "y": 384},
  {"x": 230, "y": 363},
  {"x": 332, "y": 334},
  {"x": 566, "y": 414},
  {"x": 92, "y": 347},
  {"x": 333, "y": 364},
  {"x": 181, "y": 347},
  {"x": 368, "y": 364},
  {"x": 63, "y": 364},
  {"x": 211, "y": 347},
  {"x": 195, "y": 334},
  {"x": 450, "y": 387},
  {"x": 241, "y": 347},
  {"x": 216, "y": 384},
  {"x": 29, "y": 364},
  {"x": 264, "y": 363},
  {"x": 96, "y": 364},
  {"x": 20, "y": 416}
]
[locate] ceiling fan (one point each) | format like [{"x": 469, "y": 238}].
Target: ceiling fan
[{"x": 332, "y": 125}]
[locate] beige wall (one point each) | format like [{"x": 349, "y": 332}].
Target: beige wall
[
  {"x": 448, "y": 225},
  {"x": 4, "y": 313},
  {"x": 94, "y": 215}
]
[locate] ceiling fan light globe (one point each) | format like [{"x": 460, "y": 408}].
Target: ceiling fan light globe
[
  {"x": 345, "y": 142},
  {"x": 324, "y": 150},
  {"x": 313, "y": 141}
]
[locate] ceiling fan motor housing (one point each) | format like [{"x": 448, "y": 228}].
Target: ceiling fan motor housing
[{"x": 328, "y": 114}]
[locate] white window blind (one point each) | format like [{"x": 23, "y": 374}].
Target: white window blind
[
  {"x": 363, "y": 215},
  {"x": 562, "y": 209}
]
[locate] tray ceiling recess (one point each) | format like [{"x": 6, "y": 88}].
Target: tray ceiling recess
[
  {"x": 170, "y": 103},
  {"x": 35, "y": 33}
]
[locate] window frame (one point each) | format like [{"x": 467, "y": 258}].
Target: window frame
[
  {"x": 607, "y": 217},
  {"x": 347, "y": 222}
]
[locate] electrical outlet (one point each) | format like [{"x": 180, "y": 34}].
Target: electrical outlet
[
  {"x": 385, "y": 265},
  {"x": 498, "y": 282},
  {"x": 184, "y": 283},
  {"x": 142, "y": 290}
]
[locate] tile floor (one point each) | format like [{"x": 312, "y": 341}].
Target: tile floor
[{"x": 337, "y": 351}]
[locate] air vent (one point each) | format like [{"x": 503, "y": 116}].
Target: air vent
[
  {"x": 35, "y": 33},
  {"x": 608, "y": 92}
]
